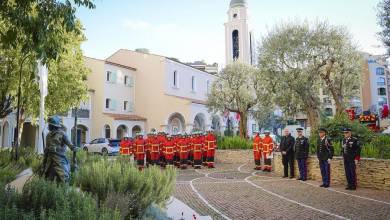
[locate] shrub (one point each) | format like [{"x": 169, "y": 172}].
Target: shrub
[
  {"x": 41, "y": 199},
  {"x": 121, "y": 181},
  {"x": 235, "y": 142},
  {"x": 379, "y": 147},
  {"x": 334, "y": 127},
  {"x": 10, "y": 168},
  {"x": 369, "y": 151}
]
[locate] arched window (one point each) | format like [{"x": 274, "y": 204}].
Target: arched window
[
  {"x": 236, "y": 45},
  {"x": 107, "y": 131},
  {"x": 381, "y": 81},
  {"x": 380, "y": 71}
]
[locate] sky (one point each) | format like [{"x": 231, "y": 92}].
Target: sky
[{"x": 193, "y": 30}]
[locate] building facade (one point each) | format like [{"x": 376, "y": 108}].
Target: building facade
[
  {"x": 134, "y": 92},
  {"x": 375, "y": 88}
]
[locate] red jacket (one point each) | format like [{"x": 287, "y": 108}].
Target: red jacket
[
  {"x": 139, "y": 148},
  {"x": 210, "y": 142},
  {"x": 268, "y": 144},
  {"x": 169, "y": 148}
]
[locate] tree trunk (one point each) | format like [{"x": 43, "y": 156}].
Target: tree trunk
[
  {"x": 21, "y": 125},
  {"x": 243, "y": 125},
  {"x": 338, "y": 101},
  {"x": 313, "y": 118}
]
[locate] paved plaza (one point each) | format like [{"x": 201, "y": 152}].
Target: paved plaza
[{"x": 234, "y": 191}]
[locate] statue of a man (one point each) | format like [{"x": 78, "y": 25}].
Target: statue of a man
[{"x": 55, "y": 164}]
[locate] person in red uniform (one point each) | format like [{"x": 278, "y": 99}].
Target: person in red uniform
[
  {"x": 131, "y": 144},
  {"x": 191, "y": 149},
  {"x": 268, "y": 146},
  {"x": 169, "y": 150},
  {"x": 256, "y": 150},
  {"x": 204, "y": 149},
  {"x": 139, "y": 151},
  {"x": 183, "y": 151},
  {"x": 198, "y": 146},
  {"x": 148, "y": 147},
  {"x": 125, "y": 146},
  {"x": 211, "y": 142},
  {"x": 161, "y": 139},
  {"x": 177, "y": 150},
  {"x": 154, "y": 147}
]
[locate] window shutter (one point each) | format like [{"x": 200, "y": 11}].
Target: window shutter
[
  {"x": 113, "y": 106},
  {"x": 131, "y": 107},
  {"x": 130, "y": 81},
  {"x": 113, "y": 77}
]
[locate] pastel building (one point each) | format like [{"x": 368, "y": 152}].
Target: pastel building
[
  {"x": 135, "y": 91},
  {"x": 375, "y": 88}
]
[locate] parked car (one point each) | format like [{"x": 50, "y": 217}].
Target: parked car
[{"x": 104, "y": 146}]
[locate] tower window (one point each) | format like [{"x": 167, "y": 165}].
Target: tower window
[
  {"x": 236, "y": 47},
  {"x": 235, "y": 16}
]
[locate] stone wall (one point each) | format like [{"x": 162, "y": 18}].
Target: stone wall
[{"x": 371, "y": 173}]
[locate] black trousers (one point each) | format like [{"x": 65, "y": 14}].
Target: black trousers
[
  {"x": 350, "y": 172},
  {"x": 288, "y": 161}
]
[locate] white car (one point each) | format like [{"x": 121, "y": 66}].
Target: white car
[{"x": 104, "y": 146}]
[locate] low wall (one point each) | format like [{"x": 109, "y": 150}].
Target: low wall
[{"x": 371, "y": 173}]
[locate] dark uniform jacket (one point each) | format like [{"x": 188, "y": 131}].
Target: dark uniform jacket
[
  {"x": 287, "y": 144},
  {"x": 301, "y": 147},
  {"x": 350, "y": 148},
  {"x": 324, "y": 149}
]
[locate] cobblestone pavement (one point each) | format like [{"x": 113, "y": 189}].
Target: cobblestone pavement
[{"x": 235, "y": 191}]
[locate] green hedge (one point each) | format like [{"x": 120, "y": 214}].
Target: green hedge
[
  {"x": 119, "y": 184},
  {"x": 234, "y": 142},
  {"x": 10, "y": 168},
  {"x": 41, "y": 199},
  {"x": 110, "y": 189}
]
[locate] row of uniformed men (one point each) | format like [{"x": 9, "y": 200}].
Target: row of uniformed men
[
  {"x": 180, "y": 150},
  {"x": 299, "y": 149}
]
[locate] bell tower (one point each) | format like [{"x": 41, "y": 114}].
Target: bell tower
[{"x": 239, "y": 42}]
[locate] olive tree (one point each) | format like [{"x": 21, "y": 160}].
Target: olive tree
[
  {"x": 234, "y": 90},
  {"x": 296, "y": 60}
]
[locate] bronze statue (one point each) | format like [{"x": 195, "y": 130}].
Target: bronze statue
[{"x": 55, "y": 163}]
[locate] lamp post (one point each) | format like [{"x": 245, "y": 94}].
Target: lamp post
[{"x": 74, "y": 164}]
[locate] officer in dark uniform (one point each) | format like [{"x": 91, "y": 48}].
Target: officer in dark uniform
[
  {"x": 324, "y": 154},
  {"x": 287, "y": 149},
  {"x": 351, "y": 153},
  {"x": 301, "y": 154}
]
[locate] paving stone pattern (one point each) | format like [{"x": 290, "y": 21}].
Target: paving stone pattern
[{"x": 234, "y": 191}]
